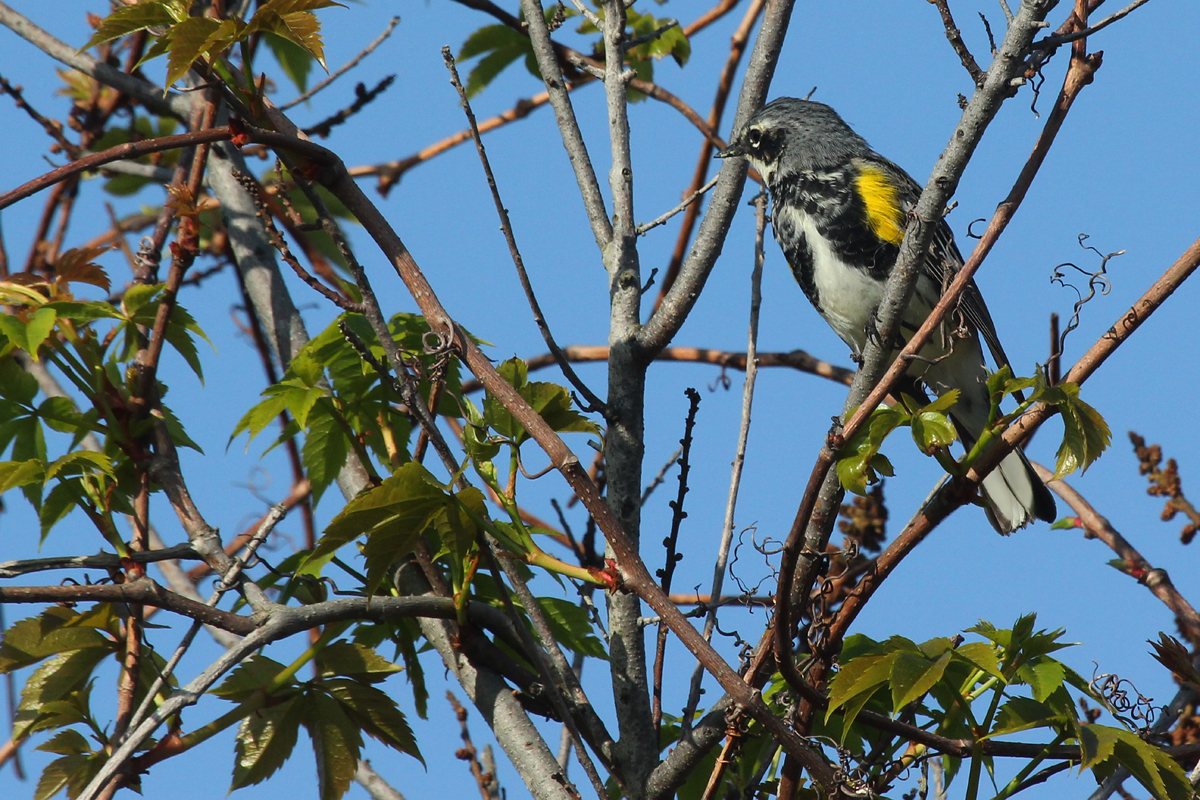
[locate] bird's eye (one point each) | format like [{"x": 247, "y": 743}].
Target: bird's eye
[{"x": 754, "y": 137}]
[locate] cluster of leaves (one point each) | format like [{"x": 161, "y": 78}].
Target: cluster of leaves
[
  {"x": 335, "y": 707},
  {"x": 501, "y": 45},
  {"x": 94, "y": 345},
  {"x": 342, "y": 405},
  {"x": 1003, "y": 684},
  {"x": 68, "y": 645},
  {"x": 1085, "y": 433},
  {"x": 185, "y": 39}
]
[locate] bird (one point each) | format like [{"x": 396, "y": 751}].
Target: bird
[{"x": 839, "y": 211}]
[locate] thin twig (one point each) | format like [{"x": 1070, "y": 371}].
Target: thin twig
[
  {"x": 798, "y": 360},
  {"x": 349, "y": 65},
  {"x": 661, "y": 475},
  {"x": 362, "y": 97},
  {"x": 648, "y": 226},
  {"x": 116, "y": 153},
  {"x": 739, "y": 456},
  {"x": 1051, "y": 42},
  {"x": 671, "y": 543},
  {"x": 539, "y": 318},
  {"x": 281, "y": 246},
  {"x": 954, "y": 35}
]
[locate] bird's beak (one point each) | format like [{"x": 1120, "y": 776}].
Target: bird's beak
[{"x": 731, "y": 151}]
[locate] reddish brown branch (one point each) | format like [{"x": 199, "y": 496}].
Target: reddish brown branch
[
  {"x": 117, "y": 153},
  {"x": 1155, "y": 579}
]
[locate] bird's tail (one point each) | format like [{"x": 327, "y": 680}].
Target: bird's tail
[{"x": 1014, "y": 495}]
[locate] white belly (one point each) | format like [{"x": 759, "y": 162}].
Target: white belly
[{"x": 848, "y": 297}]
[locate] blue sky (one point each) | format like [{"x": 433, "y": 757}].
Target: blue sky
[{"x": 1123, "y": 171}]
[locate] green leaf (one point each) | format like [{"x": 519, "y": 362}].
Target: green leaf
[
  {"x": 982, "y": 655},
  {"x": 61, "y": 415},
  {"x": 188, "y": 41},
  {"x": 175, "y": 429},
  {"x": 14, "y": 474},
  {"x": 1085, "y": 433},
  {"x": 56, "y": 679},
  {"x": 1153, "y": 768},
  {"x": 1044, "y": 676},
  {"x": 35, "y": 638},
  {"x": 293, "y": 20},
  {"x": 78, "y": 462},
  {"x": 572, "y": 627},
  {"x": 179, "y": 332},
  {"x": 913, "y": 675},
  {"x": 391, "y": 516},
  {"x": 295, "y": 61},
  {"x": 864, "y": 673},
  {"x": 84, "y": 775},
  {"x": 325, "y": 450},
  {"x": 932, "y": 431},
  {"x": 859, "y": 459},
  {"x": 137, "y": 296},
  {"x": 502, "y": 46},
  {"x": 550, "y": 401},
  {"x": 66, "y": 742},
  {"x": 131, "y": 19},
  {"x": 376, "y": 713},
  {"x": 15, "y": 383},
  {"x": 1096, "y": 744},
  {"x": 58, "y": 774},
  {"x": 259, "y": 417},
  {"x": 84, "y": 312},
  {"x": 336, "y": 743},
  {"x": 250, "y": 677},
  {"x": 1023, "y": 713},
  {"x": 455, "y": 524},
  {"x": 353, "y": 660},
  {"x": 265, "y": 740},
  {"x": 31, "y": 334}
]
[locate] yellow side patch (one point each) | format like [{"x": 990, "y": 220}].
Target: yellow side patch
[{"x": 879, "y": 197}]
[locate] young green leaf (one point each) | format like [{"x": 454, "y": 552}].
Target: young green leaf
[
  {"x": 353, "y": 660},
  {"x": 376, "y": 713},
  {"x": 249, "y": 678},
  {"x": 265, "y": 740},
  {"x": 572, "y": 627},
  {"x": 913, "y": 675},
  {"x": 336, "y": 742},
  {"x": 131, "y": 19}
]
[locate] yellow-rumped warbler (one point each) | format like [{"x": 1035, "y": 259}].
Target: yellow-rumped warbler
[{"x": 839, "y": 213}]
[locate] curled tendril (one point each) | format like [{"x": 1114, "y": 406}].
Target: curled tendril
[
  {"x": 1116, "y": 691},
  {"x": 768, "y": 548},
  {"x": 1097, "y": 282}
]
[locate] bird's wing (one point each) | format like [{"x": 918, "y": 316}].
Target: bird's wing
[
  {"x": 944, "y": 261},
  {"x": 942, "y": 264}
]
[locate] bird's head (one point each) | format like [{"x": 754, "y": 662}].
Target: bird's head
[{"x": 788, "y": 136}]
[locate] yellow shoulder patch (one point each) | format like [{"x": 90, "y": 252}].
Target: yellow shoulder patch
[{"x": 879, "y": 198}]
